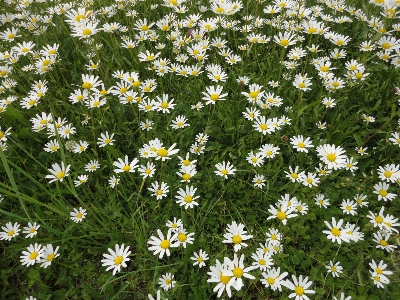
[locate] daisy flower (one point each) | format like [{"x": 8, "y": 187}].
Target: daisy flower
[
  {"x": 349, "y": 207},
  {"x": 282, "y": 212},
  {"x": 309, "y": 180},
  {"x": 224, "y": 169},
  {"x": 259, "y": 181},
  {"x": 116, "y": 258},
  {"x": 389, "y": 172},
  {"x": 218, "y": 274},
  {"x": 184, "y": 238},
  {"x": 147, "y": 170},
  {"x": 255, "y": 159},
  {"x": 379, "y": 273},
  {"x": 199, "y": 258},
  {"x": 91, "y": 82},
  {"x": 10, "y": 231},
  {"x": 32, "y": 255},
  {"x": 78, "y": 215},
  {"x": 302, "y": 82},
  {"x": 186, "y": 197},
  {"x": 48, "y": 255},
  {"x": 165, "y": 154},
  {"x": 174, "y": 225},
  {"x": 237, "y": 270},
  {"x": 167, "y": 281},
  {"x": 293, "y": 174},
  {"x": 92, "y": 166},
  {"x": 263, "y": 125},
  {"x": 301, "y": 144},
  {"x": 381, "y": 189},
  {"x": 179, "y": 122},
  {"x": 334, "y": 269},
  {"x": 31, "y": 230},
  {"x": 332, "y": 155},
  {"x": 321, "y": 201},
  {"x": 214, "y": 94},
  {"x": 300, "y": 287},
  {"x": 262, "y": 260},
  {"x": 382, "y": 241},
  {"x": 164, "y": 105},
  {"x": 58, "y": 172},
  {"x": 81, "y": 179},
  {"x": 113, "y": 181},
  {"x": 125, "y": 166},
  {"x": 236, "y": 235},
  {"x": 336, "y": 233},
  {"x": 274, "y": 278},
  {"x": 160, "y": 245},
  {"x": 159, "y": 190}
]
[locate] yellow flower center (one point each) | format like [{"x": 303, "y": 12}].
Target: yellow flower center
[
  {"x": 50, "y": 257},
  {"x": 33, "y": 255},
  {"x": 333, "y": 269},
  {"x": 11, "y": 233},
  {"x": 331, "y": 157},
  {"x": 188, "y": 199},
  {"x": 262, "y": 262},
  {"x": 162, "y": 152},
  {"x": 182, "y": 237},
  {"x": 86, "y": 31},
  {"x": 186, "y": 162},
  {"x": 270, "y": 280},
  {"x": 383, "y": 193},
  {"x": 299, "y": 290},
  {"x": 284, "y": 43},
  {"x": 383, "y": 243},
  {"x": 159, "y": 192},
  {"x": 378, "y": 270},
  {"x": 236, "y": 239},
  {"x": 87, "y": 85},
  {"x": 263, "y": 126},
  {"x": 387, "y": 174},
  {"x": 165, "y": 244},
  {"x": 302, "y": 85},
  {"x": 335, "y": 231},
  {"x": 224, "y": 172},
  {"x": 79, "y": 215},
  {"x": 32, "y": 230},
  {"x": 281, "y": 215},
  {"x": 60, "y": 175},
  {"x": 253, "y": 94},
  {"x": 237, "y": 272},
  {"x": 118, "y": 260},
  {"x": 200, "y": 259},
  {"x": 225, "y": 279},
  {"x": 126, "y": 168},
  {"x": 144, "y": 28},
  {"x": 214, "y": 97}
]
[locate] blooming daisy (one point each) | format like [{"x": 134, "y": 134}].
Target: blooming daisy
[
  {"x": 175, "y": 224},
  {"x": 214, "y": 94},
  {"x": 167, "y": 281},
  {"x": 262, "y": 260},
  {"x": 282, "y": 212},
  {"x": 186, "y": 197},
  {"x": 334, "y": 269},
  {"x": 78, "y": 215},
  {"x": 199, "y": 258},
  {"x": 48, "y": 255},
  {"x": 300, "y": 287},
  {"x": 31, "y": 230},
  {"x": 336, "y": 233},
  {"x": 10, "y": 231},
  {"x": 218, "y": 274},
  {"x": 125, "y": 166},
  {"x": 224, "y": 169},
  {"x": 116, "y": 258},
  {"x": 332, "y": 155},
  {"x": 382, "y": 241},
  {"x": 58, "y": 172},
  {"x": 274, "y": 278},
  {"x": 162, "y": 244},
  {"x": 301, "y": 144},
  {"x": 349, "y": 207},
  {"x": 159, "y": 190},
  {"x": 381, "y": 189},
  {"x": 32, "y": 255},
  {"x": 236, "y": 235},
  {"x": 237, "y": 270},
  {"x": 259, "y": 181},
  {"x": 92, "y": 166}
]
